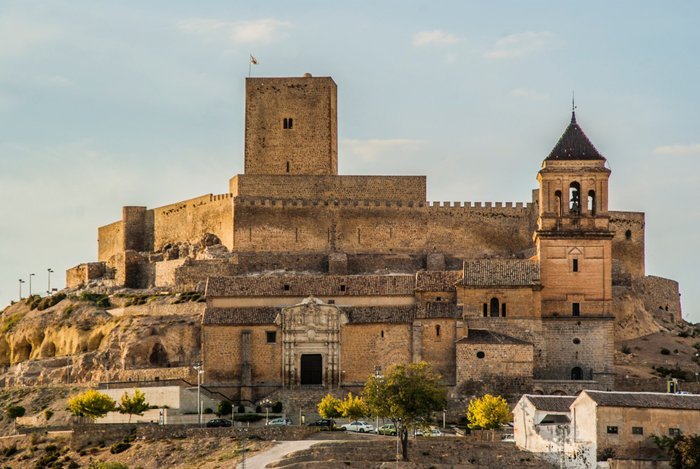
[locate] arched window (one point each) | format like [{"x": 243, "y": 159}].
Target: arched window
[
  {"x": 576, "y": 373},
  {"x": 575, "y": 198},
  {"x": 557, "y": 203},
  {"x": 628, "y": 235},
  {"x": 437, "y": 330},
  {"x": 494, "y": 308},
  {"x": 591, "y": 202}
]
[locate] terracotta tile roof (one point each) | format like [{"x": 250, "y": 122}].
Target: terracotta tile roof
[
  {"x": 551, "y": 403},
  {"x": 645, "y": 400},
  {"x": 306, "y": 285},
  {"x": 501, "y": 272},
  {"x": 240, "y": 316},
  {"x": 380, "y": 314},
  {"x": 438, "y": 309},
  {"x": 574, "y": 145},
  {"x": 485, "y": 336},
  {"x": 443, "y": 280}
]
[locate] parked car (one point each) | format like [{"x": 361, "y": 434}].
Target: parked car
[
  {"x": 325, "y": 424},
  {"x": 434, "y": 431},
  {"x": 359, "y": 426},
  {"x": 280, "y": 421},
  {"x": 214, "y": 423},
  {"x": 387, "y": 429}
]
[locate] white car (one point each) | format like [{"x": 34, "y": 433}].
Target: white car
[{"x": 359, "y": 426}]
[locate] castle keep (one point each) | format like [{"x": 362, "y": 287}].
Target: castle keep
[{"x": 317, "y": 278}]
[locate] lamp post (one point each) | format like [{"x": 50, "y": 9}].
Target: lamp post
[
  {"x": 198, "y": 366},
  {"x": 49, "y": 271},
  {"x": 378, "y": 375},
  {"x": 266, "y": 403},
  {"x": 30, "y": 284},
  {"x": 20, "y": 289}
]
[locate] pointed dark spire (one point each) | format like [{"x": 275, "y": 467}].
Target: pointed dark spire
[{"x": 573, "y": 144}]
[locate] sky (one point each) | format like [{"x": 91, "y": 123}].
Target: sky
[{"x": 105, "y": 104}]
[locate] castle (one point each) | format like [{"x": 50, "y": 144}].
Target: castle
[{"x": 315, "y": 278}]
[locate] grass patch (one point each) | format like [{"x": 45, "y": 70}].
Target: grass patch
[
  {"x": 10, "y": 322},
  {"x": 97, "y": 299}
]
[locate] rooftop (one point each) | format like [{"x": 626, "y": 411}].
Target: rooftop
[
  {"x": 574, "y": 145},
  {"x": 485, "y": 336},
  {"x": 501, "y": 272},
  {"x": 651, "y": 400},
  {"x": 551, "y": 403}
]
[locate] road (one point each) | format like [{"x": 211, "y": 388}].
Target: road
[{"x": 277, "y": 452}]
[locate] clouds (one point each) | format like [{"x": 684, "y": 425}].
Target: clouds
[
  {"x": 374, "y": 149},
  {"x": 519, "y": 45},
  {"x": 261, "y": 31},
  {"x": 434, "y": 38},
  {"x": 692, "y": 149},
  {"x": 18, "y": 35}
]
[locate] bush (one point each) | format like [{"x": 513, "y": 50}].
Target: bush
[
  {"x": 14, "y": 411},
  {"x": 48, "y": 413},
  {"x": 9, "y": 450},
  {"x": 672, "y": 372},
  {"x": 107, "y": 465},
  {"x": 241, "y": 409},
  {"x": 224, "y": 408},
  {"x": 97, "y": 299},
  {"x": 10, "y": 322},
  {"x": 136, "y": 301},
  {"x": 120, "y": 447},
  {"x": 605, "y": 454},
  {"x": 248, "y": 417},
  {"x": 277, "y": 407},
  {"x": 683, "y": 333},
  {"x": 50, "y": 301},
  {"x": 67, "y": 311},
  {"x": 665, "y": 351},
  {"x": 258, "y": 409},
  {"x": 626, "y": 349}
]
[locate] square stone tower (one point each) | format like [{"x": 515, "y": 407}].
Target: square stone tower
[{"x": 291, "y": 126}]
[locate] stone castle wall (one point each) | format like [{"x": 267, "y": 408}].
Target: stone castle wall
[
  {"x": 328, "y": 187},
  {"x": 628, "y": 248},
  {"x": 660, "y": 296}
]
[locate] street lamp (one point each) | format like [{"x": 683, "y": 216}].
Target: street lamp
[
  {"x": 266, "y": 403},
  {"x": 20, "y": 289},
  {"x": 49, "y": 271},
  {"x": 30, "y": 284},
  {"x": 378, "y": 375},
  {"x": 200, "y": 370}
]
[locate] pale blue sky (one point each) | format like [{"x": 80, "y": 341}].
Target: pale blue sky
[{"x": 105, "y": 104}]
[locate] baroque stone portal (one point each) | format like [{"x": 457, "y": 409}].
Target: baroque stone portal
[{"x": 311, "y": 343}]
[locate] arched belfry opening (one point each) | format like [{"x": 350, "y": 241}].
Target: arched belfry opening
[
  {"x": 557, "y": 203},
  {"x": 575, "y": 198},
  {"x": 591, "y": 202},
  {"x": 576, "y": 373}
]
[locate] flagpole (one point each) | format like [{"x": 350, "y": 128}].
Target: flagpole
[{"x": 250, "y": 66}]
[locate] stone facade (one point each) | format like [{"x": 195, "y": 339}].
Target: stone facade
[{"x": 317, "y": 278}]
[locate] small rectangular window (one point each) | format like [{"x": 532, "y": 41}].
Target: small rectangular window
[
  {"x": 674, "y": 431},
  {"x": 286, "y": 287},
  {"x": 612, "y": 430},
  {"x": 342, "y": 288},
  {"x": 576, "y": 309},
  {"x": 637, "y": 430},
  {"x": 331, "y": 301},
  {"x": 575, "y": 265},
  {"x": 438, "y": 298},
  {"x": 486, "y": 310},
  {"x": 503, "y": 309},
  {"x": 271, "y": 337},
  {"x": 287, "y": 123}
]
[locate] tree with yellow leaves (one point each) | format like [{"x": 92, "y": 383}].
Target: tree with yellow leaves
[{"x": 488, "y": 412}]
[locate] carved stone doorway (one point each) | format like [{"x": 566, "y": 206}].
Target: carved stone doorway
[{"x": 311, "y": 369}]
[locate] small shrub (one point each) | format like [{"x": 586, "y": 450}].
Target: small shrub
[
  {"x": 224, "y": 408},
  {"x": 208, "y": 410},
  {"x": 50, "y": 301},
  {"x": 277, "y": 407},
  {"x": 258, "y": 409},
  {"x": 9, "y": 450},
  {"x": 67, "y": 311},
  {"x": 605, "y": 454},
  {"x": 97, "y": 299},
  {"x": 10, "y": 322},
  {"x": 120, "y": 447},
  {"x": 73, "y": 465},
  {"x": 683, "y": 334},
  {"x": 241, "y": 409},
  {"x": 48, "y": 413},
  {"x": 248, "y": 417},
  {"x": 626, "y": 349},
  {"x": 14, "y": 411},
  {"x": 665, "y": 351}
]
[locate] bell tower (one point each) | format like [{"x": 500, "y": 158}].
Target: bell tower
[{"x": 573, "y": 237}]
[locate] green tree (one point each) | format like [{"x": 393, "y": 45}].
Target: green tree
[
  {"x": 328, "y": 407},
  {"x": 14, "y": 411},
  {"x": 134, "y": 405},
  {"x": 91, "y": 404},
  {"x": 682, "y": 450},
  {"x": 488, "y": 412},
  {"x": 353, "y": 407},
  {"x": 224, "y": 408},
  {"x": 408, "y": 396}
]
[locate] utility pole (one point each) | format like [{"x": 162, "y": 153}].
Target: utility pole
[{"x": 20, "y": 289}]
